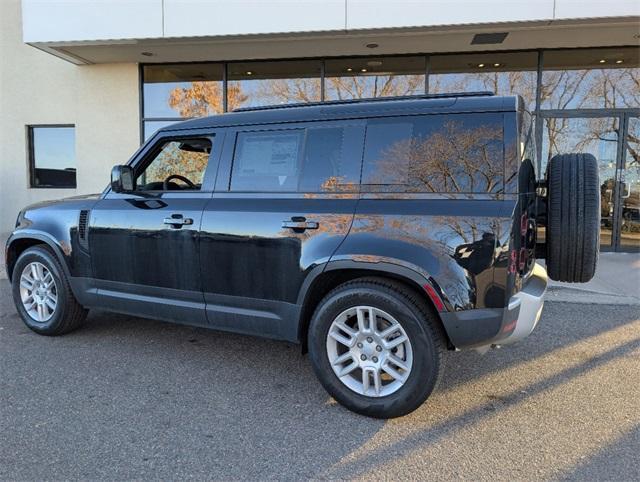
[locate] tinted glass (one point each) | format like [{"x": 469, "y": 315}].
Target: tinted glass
[
  {"x": 267, "y": 83},
  {"x": 374, "y": 77},
  {"x": 598, "y": 136},
  {"x": 182, "y": 90},
  {"x": 332, "y": 158},
  {"x": 501, "y": 73},
  {"x": 630, "y": 235},
  {"x": 185, "y": 157},
  {"x": 462, "y": 153},
  {"x": 53, "y": 156},
  {"x": 591, "y": 78}
]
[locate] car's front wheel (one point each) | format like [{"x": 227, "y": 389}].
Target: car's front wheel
[
  {"x": 42, "y": 294},
  {"x": 376, "y": 347}
]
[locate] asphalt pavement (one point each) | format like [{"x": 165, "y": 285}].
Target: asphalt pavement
[{"x": 128, "y": 398}]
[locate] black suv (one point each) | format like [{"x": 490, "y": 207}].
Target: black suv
[{"x": 375, "y": 233}]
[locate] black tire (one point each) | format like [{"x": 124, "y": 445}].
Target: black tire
[
  {"x": 573, "y": 217},
  {"x": 68, "y": 314},
  {"x": 420, "y": 325}
]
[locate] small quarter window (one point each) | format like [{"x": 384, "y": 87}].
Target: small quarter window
[{"x": 52, "y": 156}]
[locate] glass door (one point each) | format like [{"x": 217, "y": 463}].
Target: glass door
[
  {"x": 630, "y": 187},
  {"x": 598, "y": 136}
]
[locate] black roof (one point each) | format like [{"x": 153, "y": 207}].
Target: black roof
[{"x": 353, "y": 109}]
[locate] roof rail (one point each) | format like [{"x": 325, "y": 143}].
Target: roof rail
[{"x": 374, "y": 99}]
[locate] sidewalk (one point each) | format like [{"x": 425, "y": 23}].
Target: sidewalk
[{"x": 617, "y": 281}]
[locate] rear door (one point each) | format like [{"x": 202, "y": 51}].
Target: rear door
[
  {"x": 284, "y": 201},
  {"x": 145, "y": 244}
]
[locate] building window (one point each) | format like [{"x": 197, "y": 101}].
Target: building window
[
  {"x": 590, "y": 78},
  {"x": 253, "y": 84},
  {"x": 503, "y": 73},
  {"x": 368, "y": 77},
  {"x": 174, "y": 92},
  {"x": 52, "y": 156}
]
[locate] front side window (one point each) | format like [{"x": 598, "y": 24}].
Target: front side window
[
  {"x": 310, "y": 160},
  {"x": 52, "y": 156},
  {"x": 460, "y": 153},
  {"x": 179, "y": 165}
]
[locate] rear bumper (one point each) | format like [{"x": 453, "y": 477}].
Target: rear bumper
[
  {"x": 525, "y": 307},
  {"x": 486, "y": 327}
]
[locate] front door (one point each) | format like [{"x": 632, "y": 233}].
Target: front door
[
  {"x": 284, "y": 201},
  {"x": 630, "y": 186},
  {"x": 144, "y": 244},
  {"x": 613, "y": 140}
]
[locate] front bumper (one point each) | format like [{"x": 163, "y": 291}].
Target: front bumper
[{"x": 525, "y": 307}]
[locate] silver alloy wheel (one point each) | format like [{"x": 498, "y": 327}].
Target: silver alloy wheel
[
  {"x": 369, "y": 351},
  {"x": 38, "y": 292}
]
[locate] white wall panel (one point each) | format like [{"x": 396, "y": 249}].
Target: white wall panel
[
  {"x": 86, "y": 20},
  {"x": 596, "y": 8},
  {"x": 185, "y": 18},
  {"x": 366, "y": 14}
]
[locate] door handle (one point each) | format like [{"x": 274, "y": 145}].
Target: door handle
[
  {"x": 300, "y": 224},
  {"x": 177, "y": 221}
]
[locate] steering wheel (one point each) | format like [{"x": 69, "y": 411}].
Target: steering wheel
[{"x": 165, "y": 183}]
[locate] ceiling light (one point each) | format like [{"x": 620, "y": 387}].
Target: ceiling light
[
  {"x": 349, "y": 69},
  {"x": 248, "y": 72},
  {"x": 372, "y": 46},
  {"x": 480, "y": 65},
  {"x": 363, "y": 70},
  {"x": 496, "y": 65},
  {"x": 619, "y": 61},
  {"x": 602, "y": 61}
]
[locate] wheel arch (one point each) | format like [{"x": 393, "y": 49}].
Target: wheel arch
[
  {"x": 18, "y": 243},
  {"x": 325, "y": 278}
]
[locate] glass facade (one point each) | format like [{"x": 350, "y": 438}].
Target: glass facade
[
  {"x": 630, "y": 224},
  {"x": 253, "y": 84},
  {"x": 581, "y": 100},
  {"x": 593, "y": 135},
  {"x": 369, "y": 77},
  {"x": 501, "y": 73},
  {"x": 590, "y": 78}
]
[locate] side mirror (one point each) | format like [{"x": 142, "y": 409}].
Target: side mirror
[{"x": 122, "y": 179}]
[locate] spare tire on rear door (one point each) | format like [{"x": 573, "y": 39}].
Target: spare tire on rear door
[{"x": 573, "y": 217}]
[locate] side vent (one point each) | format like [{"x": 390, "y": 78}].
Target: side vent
[{"x": 83, "y": 239}]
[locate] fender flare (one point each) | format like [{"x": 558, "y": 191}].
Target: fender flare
[
  {"x": 47, "y": 239},
  {"x": 383, "y": 265}
]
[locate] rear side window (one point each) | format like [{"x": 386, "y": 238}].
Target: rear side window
[
  {"x": 267, "y": 161},
  {"x": 310, "y": 159},
  {"x": 461, "y": 153}
]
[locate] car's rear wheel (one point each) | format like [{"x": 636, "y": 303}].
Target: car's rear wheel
[
  {"x": 573, "y": 217},
  {"x": 42, "y": 294},
  {"x": 376, "y": 347}
]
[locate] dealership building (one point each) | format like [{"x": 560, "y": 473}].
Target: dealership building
[{"x": 84, "y": 82}]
